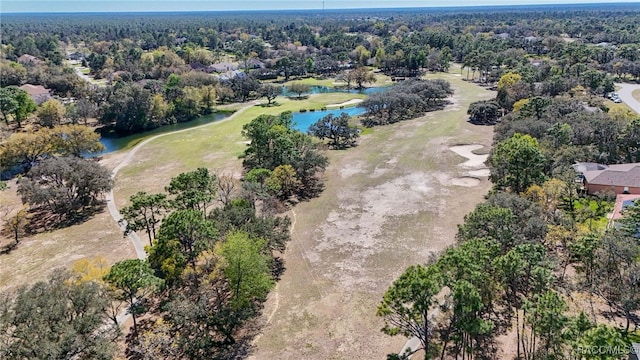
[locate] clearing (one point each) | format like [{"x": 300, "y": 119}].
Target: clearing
[
  {"x": 391, "y": 202},
  {"x": 38, "y": 255}
]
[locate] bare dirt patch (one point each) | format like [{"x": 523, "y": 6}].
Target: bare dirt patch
[
  {"x": 388, "y": 203},
  {"x": 37, "y": 256},
  {"x": 466, "y": 181}
]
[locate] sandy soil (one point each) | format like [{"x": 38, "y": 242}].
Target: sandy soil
[
  {"x": 388, "y": 203},
  {"x": 466, "y": 181},
  {"x": 474, "y": 160},
  {"x": 346, "y": 103}
]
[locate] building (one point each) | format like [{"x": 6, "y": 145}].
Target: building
[
  {"x": 75, "y": 56},
  {"x": 27, "y": 59},
  {"x": 623, "y": 201},
  {"x": 232, "y": 74},
  {"x": 38, "y": 93},
  {"x": 619, "y": 179},
  {"x": 223, "y": 67}
]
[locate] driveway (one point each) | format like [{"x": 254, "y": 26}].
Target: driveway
[{"x": 625, "y": 93}]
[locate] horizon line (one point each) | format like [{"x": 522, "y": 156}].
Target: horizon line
[{"x": 518, "y": 5}]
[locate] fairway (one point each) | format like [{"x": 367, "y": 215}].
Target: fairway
[
  {"x": 39, "y": 255},
  {"x": 393, "y": 201},
  {"x": 216, "y": 146}
]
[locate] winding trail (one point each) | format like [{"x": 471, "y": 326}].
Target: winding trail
[
  {"x": 111, "y": 204},
  {"x": 117, "y": 217}
]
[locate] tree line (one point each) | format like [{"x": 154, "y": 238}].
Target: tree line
[{"x": 160, "y": 77}]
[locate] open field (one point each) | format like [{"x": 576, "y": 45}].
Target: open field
[
  {"x": 216, "y": 146},
  {"x": 312, "y": 81},
  {"x": 391, "y": 202},
  {"x": 381, "y": 80},
  {"x": 37, "y": 256}
]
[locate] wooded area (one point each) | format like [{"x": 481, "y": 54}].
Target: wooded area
[{"x": 539, "y": 241}]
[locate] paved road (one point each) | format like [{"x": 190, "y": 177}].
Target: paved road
[
  {"x": 111, "y": 204},
  {"x": 625, "y": 94}
]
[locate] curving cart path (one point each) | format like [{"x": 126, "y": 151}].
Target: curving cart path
[{"x": 111, "y": 204}]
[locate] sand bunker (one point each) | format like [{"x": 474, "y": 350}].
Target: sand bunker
[
  {"x": 475, "y": 161},
  {"x": 481, "y": 172},
  {"x": 346, "y": 103},
  {"x": 465, "y": 181}
]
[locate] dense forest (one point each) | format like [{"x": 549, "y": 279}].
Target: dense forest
[{"x": 538, "y": 241}]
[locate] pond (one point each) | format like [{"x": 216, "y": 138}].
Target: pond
[
  {"x": 327, "y": 90},
  {"x": 114, "y": 143},
  {"x": 302, "y": 121}
]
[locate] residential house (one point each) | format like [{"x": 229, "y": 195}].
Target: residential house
[
  {"x": 231, "y": 75},
  {"x": 223, "y": 67},
  {"x": 75, "y": 56},
  {"x": 619, "y": 179},
  {"x": 27, "y": 59},
  {"x": 254, "y": 64},
  {"x": 38, "y": 93},
  {"x": 536, "y": 62},
  {"x": 623, "y": 201}
]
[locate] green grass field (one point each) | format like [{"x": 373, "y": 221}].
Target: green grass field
[
  {"x": 215, "y": 146},
  {"x": 381, "y": 80}
]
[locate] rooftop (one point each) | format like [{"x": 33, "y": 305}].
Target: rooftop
[
  {"x": 34, "y": 89},
  {"x": 615, "y": 175}
]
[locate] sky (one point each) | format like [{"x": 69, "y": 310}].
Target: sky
[{"x": 7, "y": 6}]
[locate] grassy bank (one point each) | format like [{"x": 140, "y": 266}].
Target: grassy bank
[{"x": 216, "y": 146}]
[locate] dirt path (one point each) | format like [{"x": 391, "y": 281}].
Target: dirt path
[
  {"x": 111, "y": 203},
  {"x": 388, "y": 203}
]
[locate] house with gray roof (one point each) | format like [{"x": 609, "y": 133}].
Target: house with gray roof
[
  {"x": 38, "y": 93},
  {"x": 223, "y": 67}
]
